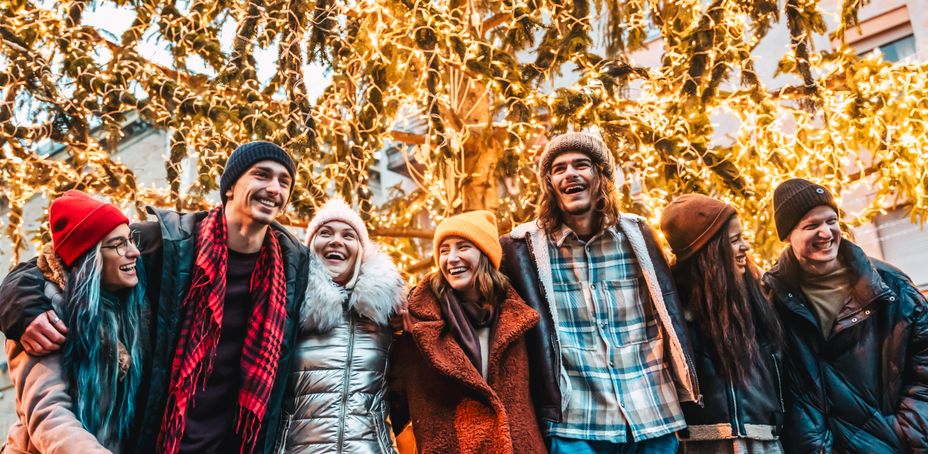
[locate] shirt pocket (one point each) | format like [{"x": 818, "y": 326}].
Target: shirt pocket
[
  {"x": 576, "y": 321},
  {"x": 629, "y": 316}
]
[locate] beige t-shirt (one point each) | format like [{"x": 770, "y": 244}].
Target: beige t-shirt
[{"x": 828, "y": 294}]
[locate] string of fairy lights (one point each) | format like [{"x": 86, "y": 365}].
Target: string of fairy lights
[{"x": 484, "y": 79}]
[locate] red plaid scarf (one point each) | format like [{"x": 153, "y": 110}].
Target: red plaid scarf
[{"x": 202, "y": 322}]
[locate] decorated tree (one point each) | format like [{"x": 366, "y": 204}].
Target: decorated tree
[{"x": 483, "y": 78}]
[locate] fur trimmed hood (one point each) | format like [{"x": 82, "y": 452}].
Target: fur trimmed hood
[{"x": 379, "y": 293}]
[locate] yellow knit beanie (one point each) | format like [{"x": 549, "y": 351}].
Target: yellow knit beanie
[{"x": 478, "y": 227}]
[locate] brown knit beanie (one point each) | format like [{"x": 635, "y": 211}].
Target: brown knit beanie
[
  {"x": 691, "y": 220},
  {"x": 793, "y": 198},
  {"x": 478, "y": 227},
  {"x": 579, "y": 142}
]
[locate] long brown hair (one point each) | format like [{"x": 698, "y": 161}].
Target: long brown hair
[
  {"x": 492, "y": 285},
  {"x": 605, "y": 205},
  {"x": 731, "y": 310}
]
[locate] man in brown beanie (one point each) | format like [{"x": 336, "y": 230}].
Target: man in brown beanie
[
  {"x": 855, "y": 334},
  {"x": 224, "y": 287},
  {"x": 610, "y": 360}
]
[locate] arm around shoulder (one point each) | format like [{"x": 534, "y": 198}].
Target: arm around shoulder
[{"x": 22, "y": 299}]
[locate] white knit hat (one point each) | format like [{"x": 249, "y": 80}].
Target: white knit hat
[{"x": 337, "y": 210}]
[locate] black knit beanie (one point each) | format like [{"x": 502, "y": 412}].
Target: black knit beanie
[
  {"x": 247, "y": 155},
  {"x": 793, "y": 198}
]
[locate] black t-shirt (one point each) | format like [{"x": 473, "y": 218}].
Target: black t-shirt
[{"x": 211, "y": 416}]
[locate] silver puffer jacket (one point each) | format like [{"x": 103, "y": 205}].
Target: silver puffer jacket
[{"x": 336, "y": 401}]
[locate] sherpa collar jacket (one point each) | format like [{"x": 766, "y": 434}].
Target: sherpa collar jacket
[
  {"x": 527, "y": 263},
  {"x": 452, "y": 408},
  {"x": 864, "y": 388}
]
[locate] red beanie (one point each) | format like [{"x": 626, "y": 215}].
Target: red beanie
[{"x": 79, "y": 222}]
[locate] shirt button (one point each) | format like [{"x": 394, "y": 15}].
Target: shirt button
[
  {"x": 892, "y": 298},
  {"x": 602, "y": 324},
  {"x": 611, "y": 364},
  {"x": 866, "y": 312},
  {"x": 789, "y": 295},
  {"x": 854, "y": 320},
  {"x": 592, "y": 287}
]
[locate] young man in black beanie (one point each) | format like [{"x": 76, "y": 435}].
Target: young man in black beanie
[
  {"x": 855, "y": 333},
  {"x": 224, "y": 287}
]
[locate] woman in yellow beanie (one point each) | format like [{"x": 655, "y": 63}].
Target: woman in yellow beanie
[{"x": 460, "y": 371}]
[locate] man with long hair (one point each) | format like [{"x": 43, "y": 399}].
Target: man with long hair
[
  {"x": 855, "y": 335},
  {"x": 225, "y": 286},
  {"x": 609, "y": 357}
]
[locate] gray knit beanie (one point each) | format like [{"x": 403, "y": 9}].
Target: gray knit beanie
[
  {"x": 793, "y": 198},
  {"x": 579, "y": 142}
]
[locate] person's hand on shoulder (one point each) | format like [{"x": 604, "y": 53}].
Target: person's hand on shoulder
[{"x": 45, "y": 335}]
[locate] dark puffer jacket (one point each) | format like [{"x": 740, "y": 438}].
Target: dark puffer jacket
[
  {"x": 864, "y": 389},
  {"x": 752, "y": 410}
]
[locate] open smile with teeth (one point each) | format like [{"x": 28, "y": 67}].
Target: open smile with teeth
[
  {"x": 130, "y": 268},
  {"x": 335, "y": 255},
  {"x": 824, "y": 244},
  {"x": 457, "y": 270},
  {"x": 268, "y": 203},
  {"x": 573, "y": 188},
  {"x": 741, "y": 260}
]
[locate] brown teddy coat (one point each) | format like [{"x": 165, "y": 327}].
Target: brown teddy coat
[{"x": 451, "y": 407}]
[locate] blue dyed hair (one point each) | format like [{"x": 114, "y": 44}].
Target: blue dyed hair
[{"x": 103, "y": 403}]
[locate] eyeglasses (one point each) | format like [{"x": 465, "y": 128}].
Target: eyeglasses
[{"x": 122, "y": 244}]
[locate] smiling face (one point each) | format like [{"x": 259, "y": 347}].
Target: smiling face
[
  {"x": 739, "y": 246},
  {"x": 260, "y": 194},
  {"x": 337, "y": 244},
  {"x": 118, "y": 271},
  {"x": 815, "y": 240},
  {"x": 457, "y": 260},
  {"x": 575, "y": 180}
]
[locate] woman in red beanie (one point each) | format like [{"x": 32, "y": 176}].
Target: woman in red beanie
[
  {"x": 460, "y": 372},
  {"x": 82, "y": 398},
  {"x": 734, "y": 330}
]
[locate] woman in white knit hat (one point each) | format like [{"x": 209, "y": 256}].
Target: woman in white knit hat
[{"x": 336, "y": 398}]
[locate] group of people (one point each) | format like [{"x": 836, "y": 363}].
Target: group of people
[{"x": 219, "y": 331}]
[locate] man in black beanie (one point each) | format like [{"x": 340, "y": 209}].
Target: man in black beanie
[
  {"x": 855, "y": 335},
  {"x": 224, "y": 287}
]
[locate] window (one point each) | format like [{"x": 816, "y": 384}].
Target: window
[{"x": 898, "y": 49}]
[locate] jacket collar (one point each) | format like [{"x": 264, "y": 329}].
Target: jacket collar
[
  {"x": 378, "y": 293},
  {"x": 631, "y": 226},
  {"x": 177, "y": 226},
  {"x": 868, "y": 286},
  {"x": 442, "y": 351}
]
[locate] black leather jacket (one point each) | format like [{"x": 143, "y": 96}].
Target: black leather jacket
[
  {"x": 864, "y": 389},
  {"x": 521, "y": 265},
  {"x": 753, "y": 409}
]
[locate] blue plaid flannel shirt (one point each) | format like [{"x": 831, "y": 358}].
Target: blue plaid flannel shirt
[{"x": 611, "y": 343}]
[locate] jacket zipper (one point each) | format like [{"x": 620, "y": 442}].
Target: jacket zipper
[
  {"x": 345, "y": 382},
  {"x": 734, "y": 402},
  {"x": 696, "y": 392},
  {"x": 776, "y": 368}
]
